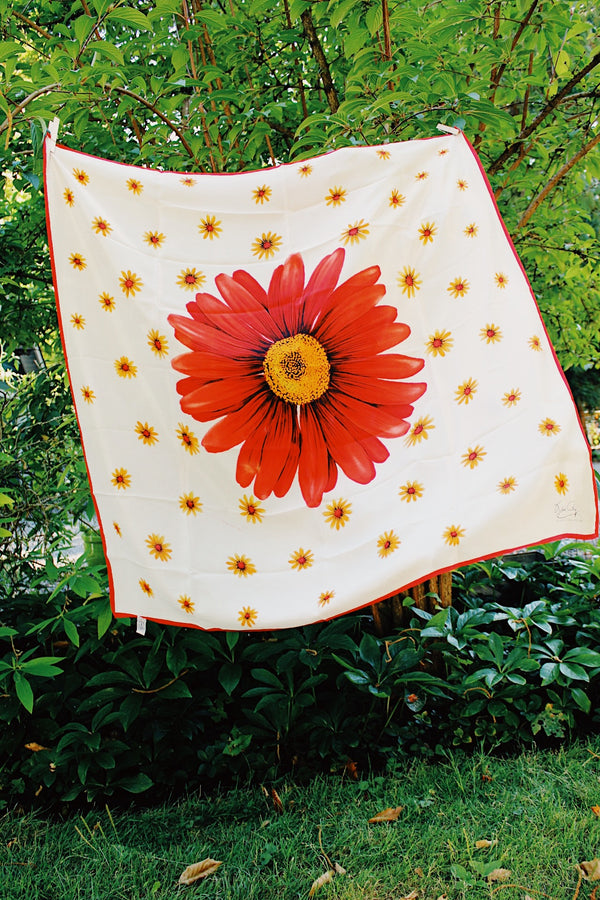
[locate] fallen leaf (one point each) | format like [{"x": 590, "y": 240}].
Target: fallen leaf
[
  {"x": 351, "y": 768},
  {"x": 412, "y": 896},
  {"x": 35, "y": 748},
  {"x": 483, "y": 844},
  {"x": 590, "y": 870},
  {"x": 499, "y": 875},
  {"x": 320, "y": 881},
  {"x": 199, "y": 870},
  {"x": 596, "y": 810},
  {"x": 486, "y": 777},
  {"x": 443, "y": 897},
  {"x": 276, "y": 801},
  {"x": 339, "y": 870},
  {"x": 387, "y": 815},
  {"x": 419, "y": 871}
]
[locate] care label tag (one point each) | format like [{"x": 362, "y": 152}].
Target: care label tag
[{"x": 140, "y": 625}]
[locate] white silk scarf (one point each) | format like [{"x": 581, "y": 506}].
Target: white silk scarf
[{"x": 303, "y": 388}]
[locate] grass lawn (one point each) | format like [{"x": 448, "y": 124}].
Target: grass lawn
[{"x": 535, "y": 809}]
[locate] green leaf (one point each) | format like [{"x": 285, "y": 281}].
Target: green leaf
[
  {"x": 229, "y": 676},
  {"x": 581, "y": 699},
  {"x": 132, "y": 17},
  {"x": 267, "y": 678},
  {"x": 71, "y": 631},
  {"x": 24, "y": 691},
  {"x": 104, "y": 620},
  {"x": 571, "y": 670},
  {"x": 43, "y": 666},
  {"x": 104, "y": 48}
]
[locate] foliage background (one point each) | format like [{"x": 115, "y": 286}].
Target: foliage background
[{"x": 230, "y": 85}]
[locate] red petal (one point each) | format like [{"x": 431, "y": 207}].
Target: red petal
[
  {"x": 350, "y": 305},
  {"x": 348, "y": 453},
  {"x": 372, "y": 419},
  {"x": 251, "y": 285},
  {"x": 245, "y": 306},
  {"x": 321, "y": 284},
  {"x": 284, "y": 482},
  {"x": 275, "y": 452},
  {"x": 373, "y": 390},
  {"x": 217, "y": 398},
  {"x": 197, "y": 336},
  {"x": 236, "y": 427},
  {"x": 208, "y": 366},
  {"x": 313, "y": 465},
  {"x": 285, "y": 294},
  {"x": 249, "y": 457},
  {"x": 332, "y": 474},
  {"x": 369, "y": 338},
  {"x": 376, "y": 450},
  {"x": 387, "y": 365}
]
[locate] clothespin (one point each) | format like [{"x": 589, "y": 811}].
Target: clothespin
[
  {"x": 52, "y": 133},
  {"x": 140, "y": 625},
  {"x": 449, "y": 129}
]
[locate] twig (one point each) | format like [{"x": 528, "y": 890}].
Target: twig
[
  {"x": 324, "y": 70},
  {"x": 157, "y": 112},
  {"x": 33, "y": 96},
  {"x": 156, "y": 690}
]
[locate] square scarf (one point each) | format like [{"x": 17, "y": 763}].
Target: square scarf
[{"x": 303, "y": 388}]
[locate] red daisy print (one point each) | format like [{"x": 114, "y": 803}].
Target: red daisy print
[
  {"x": 453, "y": 535},
  {"x": 157, "y": 343},
  {"x": 507, "y": 485},
  {"x": 443, "y": 151},
  {"x": 471, "y": 230},
  {"x": 135, "y": 186},
  {"x": 209, "y": 227},
  {"x": 190, "y": 504},
  {"x": 107, "y": 302},
  {"x": 305, "y": 170},
  {"x": 461, "y": 184},
  {"x": 77, "y": 261},
  {"x": 125, "y": 368},
  {"x": 190, "y": 280},
  {"x": 355, "y": 233},
  {"x": 188, "y": 439},
  {"x": 466, "y": 391},
  {"x": 301, "y": 559},
  {"x": 298, "y": 375},
  {"x": 121, "y": 478},
  {"x": 387, "y": 543},
  {"x": 146, "y": 433},
  {"x": 338, "y": 513},
  {"x": 473, "y": 456},
  {"x": 548, "y": 427},
  {"x": 439, "y": 343},
  {"x": 412, "y": 490},
  {"x": 251, "y": 509},
  {"x": 396, "y": 199},
  {"x": 421, "y": 176},
  {"x": 77, "y": 321},
  {"x": 81, "y": 176},
  {"x": 146, "y": 587},
  {"x": 561, "y": 483},
  {"x": 69, "y": 196},
  {"x": 419, "y": 431},
  {"x": 511, "y": 398},
  {"x": 188, "y": 181},
  {"x": 157, "y": 547},
  {"x": 117, "y": 528},
  {"x": 154, "y": 238},
  {"x": 241, "y": 565},
  {"x": 266, "y": 245},
  {"x": 409, "y": 281},
  {"x": 247, "y": 616},
  {"x": 101, "y": 226}
]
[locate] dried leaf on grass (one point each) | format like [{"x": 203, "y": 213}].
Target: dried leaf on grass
[
  {"x": 387, "y": 815},
  {"x": 412, "y": 896},
  {"x": 596, "y": 810},
  {"x": 320, "y": 881},
  {"x": 277, "y": 804},
  {"x": 484, "y": 844},
  {"x": 34, "y": 747},
  {"x": 499, "y": 875},
  {"x": 199, "y": 870},
  {"x": 590, "y": 869},
  {"x": 339, "y": 870}
]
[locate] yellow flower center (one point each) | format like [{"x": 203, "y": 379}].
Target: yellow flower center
[{"x": 297, "y": 369}]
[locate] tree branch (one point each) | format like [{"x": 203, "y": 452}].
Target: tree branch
[
  {"x": 324, "y": 70},
  {"x": 548, "y": 108},
  {"x": 554, "y": 181},
  {"x": 21, "y": 106},
  {"x": 157, "y": 112}
]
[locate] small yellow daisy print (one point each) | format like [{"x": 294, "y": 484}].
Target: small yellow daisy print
[
  {"x": 188, "y": 439},
  {"x": 251, "y": 509},
  {"x": 326, "y": 597},
  {"x": 387, "y": 543},
  {"x": 491, "y": 334},
  {"x": 548, "y": 427},
  {"x": 427, "y": 232},
  {"x": 419, "y": 431},
  {"x": 158, "y": 548},
  {"x": 409, "y": 281},
  {"x": 561, "y": 483},
  {"x": 77, "y": 261},
  {"x": 107, "y": 302},
  {"x": 453, "y": 535},
  {"x": 507, "y": 485},
  {"x": 209, "y": 227},
  {"x": 188, "y": 181},
  {"x": 305, "y": 170},
  {"x": 301, "y": 559},
  {"x": 154, "y": 238},
  {"x": 466, "y": 391},
  {"x": 501, "y": 279},
  {"x": 262, "y": 194},
  {"x": 186, "y": 603},
  {"x": 473, "y": 456},
  {"x": 157, "y": 343},
  {"x": 355, "y": 233},
  {"x": 190, "y": 504},
  {"x": 412, "y": 490},
  {"x": 421, "y": 176},
  {"x": 101, "y": 226},
  {"x": 383, "y": 154},
  {"x": 146, "y": 433},
  {"x": 247, "y": 616},
  {"x": 135, "y": 186},
  {"x": 88, "y": 394},
  {"x": 461, "y": 184},
  {"x": 121, "y": 478},
  {"x": 396, "y": 199},
  {"x": 77, "y": 321},
  {"x": 535, "y": 343},
  {"x": 336, "y": 196},
  {"x": 146, "y": 587},
  {"x": 125, "y": 368},
  {"x": 439, "y": 343},
  {"x": 69, "y": 196},
  {"x": 458, "y": 287},
  {"x": 241, "y": 565},
  {"x": 81, "y": 176},
  {"x": 266, "y": 245},
  {"x": 117, "y": 528},
  {"x": 190, "y": 280},
  {"x": 337, "y": 513},
  {"x": 130, "y": 283},
  {"x": 443, "y": 151},
  {"x": 471, "y": 230},
  {"x": 511, "y": 398}
]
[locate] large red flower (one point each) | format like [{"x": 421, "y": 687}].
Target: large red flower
[{"x": 297, "y": 374}]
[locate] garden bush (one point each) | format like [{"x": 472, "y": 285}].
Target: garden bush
[{"x": 90, "y": 709}]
